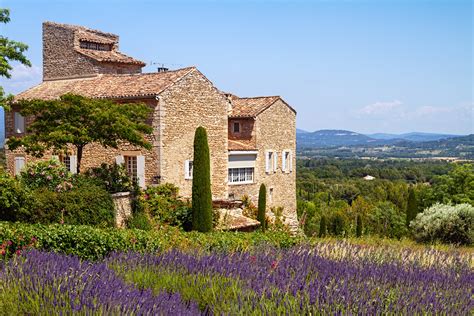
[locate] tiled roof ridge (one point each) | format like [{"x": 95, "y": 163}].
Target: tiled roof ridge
[
  {"x": 81, "y": 28},
  {"x": 261, "y": 97}
]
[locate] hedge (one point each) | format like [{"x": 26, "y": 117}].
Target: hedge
[{"x": 94, "y": 243}]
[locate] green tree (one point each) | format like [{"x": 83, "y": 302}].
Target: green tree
[
  {"x": 358, "y": 226},
  {"x": 201, "y": 195},
  {"x": 412, "y": 206},
  {"x": 77, "y": 121},
  {"x": 322, "y": 227},
  {"x": 262, "y": 205},
  {"x": 9, "y": 51}
]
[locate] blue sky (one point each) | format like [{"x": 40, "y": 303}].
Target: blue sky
[{"x": 366, "y": 66}]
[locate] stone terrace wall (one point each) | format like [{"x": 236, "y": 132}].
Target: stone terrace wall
[{"x": 191, "y": 103}]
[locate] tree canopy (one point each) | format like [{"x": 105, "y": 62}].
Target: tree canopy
[
  {"x": 74, "y": 120},
  {"x": 9, "y": 51}
]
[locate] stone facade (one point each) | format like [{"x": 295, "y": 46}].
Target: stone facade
[
  {"x": 274, "y": 130},
  {"x": 181, "y": 101},
  {"x": 63, "y": 56}
]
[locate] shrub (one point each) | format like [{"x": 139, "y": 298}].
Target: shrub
[
  {"x": 262, "y": 205},
  {"x": 12, "y": 198},
  {"x": 86, "y": 203},
  {"x": 249, "y": 209},
  {"x": 201, "y": 189},
  {"x": 50, "y": 174},
  {"x": 445, "y": 223},
  {"x": 164, "y": 206},
  {"x": 113, "y": 177},
  {"x": 93, "y": 243},
  {"x": 139, "y": 221}
]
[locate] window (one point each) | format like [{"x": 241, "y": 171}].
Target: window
[
  {"x": 131, "y": 165},
  {"x": 271, "y": 161},
  {"x": 95, "y": 46},
  {"x": 241, "y": 175},
  {"x": 188, "y": 169},
  {"x": 66, "y": 160},
  {"x": 236, "y": 128},
  {"x": 19, "y": 123},
  {"x": 286, "y": 161},
  {"x": 19, "y": 164}
]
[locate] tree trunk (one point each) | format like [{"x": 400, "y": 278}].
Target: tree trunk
[{"x": 79, "y": 157}]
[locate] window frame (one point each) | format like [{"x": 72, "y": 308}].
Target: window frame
[
  {"x": 234, "y": 124},
  {"x": 237, "y": 176},
  {"x": 131, "y": 165},
  {"x": 18, "y": 121},
  {"x": 188, "y": 169}
]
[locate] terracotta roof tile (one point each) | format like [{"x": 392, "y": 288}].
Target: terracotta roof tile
[
  {"x": 108, "y": 86},
  {"x": 242, "y": 144},
  {"x": 95, "y": 38},
  {"x": 251, "y": 107},
  {"x": 110, "y": 56}
]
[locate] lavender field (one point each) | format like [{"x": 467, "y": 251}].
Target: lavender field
[{"x": 335, "y": 278}]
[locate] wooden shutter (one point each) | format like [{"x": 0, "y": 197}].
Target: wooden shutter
[
  {"x": 19, "y": 164},
  {"x": 141, "y": 171},
  {"x": 19, "y": 123},
  {"x": 119, "y": 160},
  {"x": 73, "y": 163},
  {"x": 290, "y": 157},
  {"x": 186, "y": 169},
  {"x": 283, "y": 161},
  {"x": 275, "y": 161},
  {"x": 267, "y": 161}
]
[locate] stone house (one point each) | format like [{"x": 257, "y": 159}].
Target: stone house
[{"x": 251, "y": 140}]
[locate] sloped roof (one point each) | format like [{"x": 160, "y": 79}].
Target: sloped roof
[
  {"x": 251, "y": 107},
  {"x": 109, "y": 86},
  {"x": 109, "y": 56},
  {"x": 241, "y": 144}
]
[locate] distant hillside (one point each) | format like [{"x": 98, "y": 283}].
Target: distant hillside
[
  {"x": 330, "y": 138},
  {"x": 414, "y": 137}
]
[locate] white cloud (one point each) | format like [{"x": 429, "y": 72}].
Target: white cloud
[
  {"x": 22, "y": 78},
  {"x": 380, "y": 107}
]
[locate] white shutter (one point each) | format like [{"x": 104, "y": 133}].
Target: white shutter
[
  {"x": 283, "y": 161},
  {"x": 186, "y": 170},
  {"x": 290, "y": 157},
  {"x": 73, "y": 163},
  {"x": 19, "y": 164},
  {"x": 19, "y": 123},
  {"x": 141, "y": 171},
  {"x": 267, "y": 161},
  {"x": 119, "y": 160},
  {"x": 275, "y": 161}
]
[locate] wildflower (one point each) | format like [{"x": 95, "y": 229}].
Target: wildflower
[
  {"x": 18, "y": 252},
  {"x": 49, "y": 178},
  {"x": 2, "y": 252}
]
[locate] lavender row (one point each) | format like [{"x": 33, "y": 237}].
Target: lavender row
[
  {"x": 322, "y": 284},
  {"x": 42, "y": 282}
]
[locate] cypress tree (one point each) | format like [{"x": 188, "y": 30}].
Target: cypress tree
[
  {"x": 201, "y": 190},
  {"x": 262, "y": 204},
  {"x": 358, "y": 226},
  {"x": 322, "y": 227},
  {"x": 412, "y": 206}
]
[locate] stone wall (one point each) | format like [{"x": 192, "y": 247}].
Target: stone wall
[
  {"x": 190, "y": 103},
  {"x": 122, "y": 207},
  {"x": 61, "y": 60},
  {"x": 59, "y": 57},
  {"x": 275, "y": 131}
]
